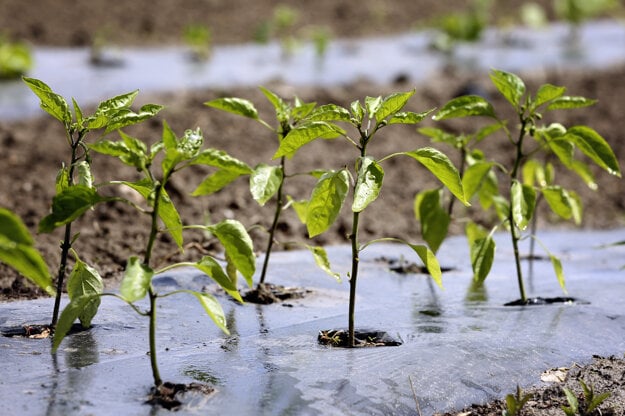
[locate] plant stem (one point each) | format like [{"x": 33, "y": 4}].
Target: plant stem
[
  {"x": 154, "y": 363},
  {"x": 513, "y": 227},
  {"x": 353, "y": 278},
  {"x": 67, "y": 244},
  {"x": 274, "y": 225},
  {"x": 148, "y": 254}
]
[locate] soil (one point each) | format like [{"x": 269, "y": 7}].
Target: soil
[{"x": 33, "y": 150}]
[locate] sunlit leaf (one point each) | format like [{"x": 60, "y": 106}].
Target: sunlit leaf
[
  {"x": 321, "y": 259},
  {"x": 430, "y": 262},
  {"x": 265, "y": 182},
  {"x": 473, "y": 178},
  {"x": 212, "y": 268},
  {"x": 235, "y": 105},
  {"x": 465, "y": 106},
  {"x": 84, "y": 280},
  {"x": 392, "y": 104},
  {"x": 212, "y": 308},
  {"x": 567, "y": 102},
  {"x": 136, "y": 281},
  {"x": 557, "y": 268},
  {"x": 442, "y": 168},
  {"x": 434, "y": 219},
  {"x": 546, "y": 93},
  {"x": 70, "y": 204},
  {"x": 329, "y": 112},
  {"x": 71, "y": 312},
  {"x": 216, "y": 182},
  {"x": 559, "y": 201},
  {"x": 238, "y": 245},
  {"x": 326, "y": 201},
  {"x": 368, "y": 183},
  {"x": 595, "y": 147},
  {"x": 50, "y": 102},
  {"x": 408, "y": 117},
  {"x": 306, "y": 133},
  {"x": 509, "y": 85},
  {"x": 372, "y": 104},
  {"x": 523, "y": 199}
]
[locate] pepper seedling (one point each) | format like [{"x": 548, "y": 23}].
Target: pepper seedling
[{"x": 330, "y": 192}]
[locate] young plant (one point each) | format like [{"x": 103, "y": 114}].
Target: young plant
[
  {"x": 462, "y": 27},
  {"x": 15, "y": 59},
  {"x": 516, "y": 206},
  {"x": 590, "y": 403},
  {"x": 515, "y": 402},
  {"x": 178, "y": 154},
  {"x": 75, "y": 192},
  {"x": 267, "y": 181},
  {"x": 332, "y": 188},
  {"x": 199, "y": 40}
]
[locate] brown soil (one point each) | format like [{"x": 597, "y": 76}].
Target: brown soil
[{"x": 33, "y": 150}]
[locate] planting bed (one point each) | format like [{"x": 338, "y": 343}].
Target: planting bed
[{"x": 459, "y": 347}]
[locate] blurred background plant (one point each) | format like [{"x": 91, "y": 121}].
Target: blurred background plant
[
  {"x": 199, "y": 40},
  {"x": 468, "y": 26},
  {"x": 15, "y": 58}
]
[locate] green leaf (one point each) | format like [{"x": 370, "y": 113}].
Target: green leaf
[
  {"x": 439, "y": 135},
  {"x": 212, "y": 308},
  {"x": 265, "y": 182},
  {"x": 167, "y": 212},
  {"x": 117, "y": 102},
  {"x": 357, "y": 111},
  {"x": 50, "y": 102},
  {"x": 434, "y": 219},
  {"x": 573, "y": 403},
  {"x": 523, "y": 200},
  {"x": 429, "y": 261},
  {"x": 482, "y": 251},
  {"x": 326, "y": 201},
  {"x": 557, "y": 268},
  {"x": 302, "y": 110},
  {"x": 221, "y": 160},
  {"x": 584, "y": 172},
  {"x": 300, "y": 207},
  {"x": 235, "y": 105},
  {"x": 509, "y": 85},
  {"x": 465, "y": 106},
  {"x": 136, "y": 281},
  {"x": 70, "y": 204},
  {"x": 277, "y": 102},
  {"x": 566, "y": 102},
  {"x": 546, "y": 93},
  {"x": 559, "y": 201},
  {"x": 329, "y": 112},
  {"x": 212, "y": 268},
  {"x": 130, "y": 151},
  {"x": 17, "y": 250},
  {"x": 368, "y": 183},
  {"x": 409, "y": 117},
  {"x": 392, "y": 104},
  {"x": 85, "y": 281},
  {"x": 442, "y": 168},
  {"x": 126, "y": 117},
  {"x": 72, "y": 311},
  {"x": 238, "y": 245},
  {"x": 321, "y": 259},
  {"x": 473, "y": 178},
  {"x": 595, "y": 147},
  {"x": 306, "y": 133},
  {"x": 372, "y": 104},
  {"x": 77, "y": 112},
  {"x": 83, "y": 172},
  {"x": 482, "y": 257},
  {"x": 215, "y": 182},
  {"x": 564, "y": 150}
]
